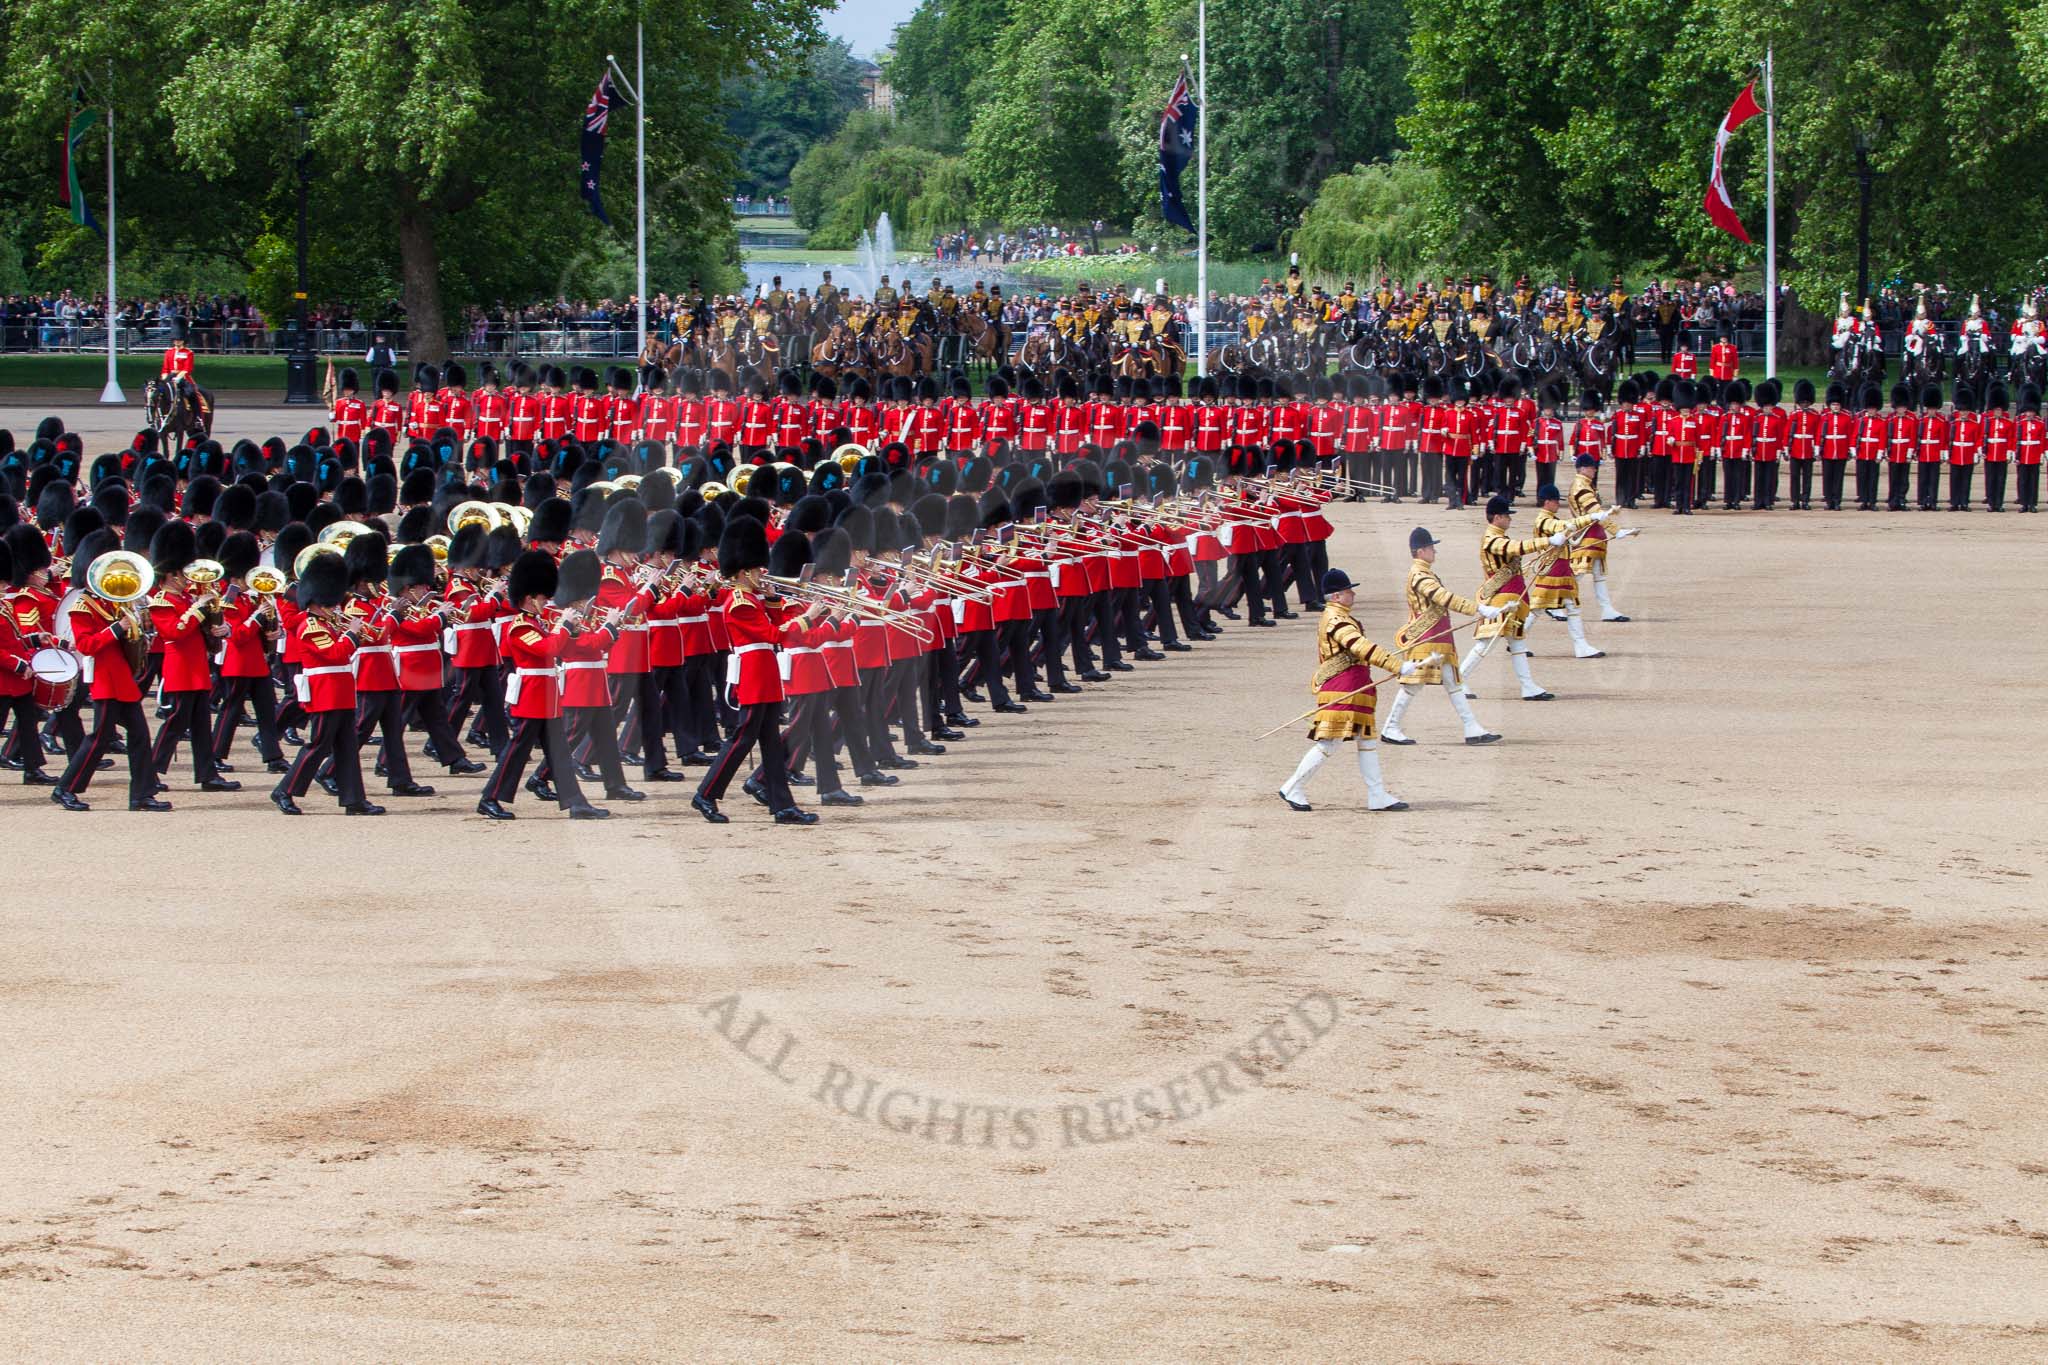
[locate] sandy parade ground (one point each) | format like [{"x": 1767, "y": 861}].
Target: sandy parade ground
[{"x": 1703, "y": 1018}]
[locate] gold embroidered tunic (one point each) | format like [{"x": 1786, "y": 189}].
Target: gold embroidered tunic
[
  {"x": 1502, "y": 582},
  {"x": 1427, "y": 637},
  {"x": 1584, "y": 502},
  {"x": 1346, "y": 695},
  {"x": 1551, "y": 581}
]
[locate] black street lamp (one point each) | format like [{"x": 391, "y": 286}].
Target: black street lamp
[{"x": 298, "y": 365}]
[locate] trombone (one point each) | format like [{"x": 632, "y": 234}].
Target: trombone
[
  {"x": 1329, "y": 480},
  {"x": 845, "y": 599},
  {"x": 955, "y": 585}
]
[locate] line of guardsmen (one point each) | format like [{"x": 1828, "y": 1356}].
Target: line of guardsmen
[
  {"x": 603, "y": 608},
  {"x": 1419, "y": 439},
  {"x": 1673, "y": 439}
]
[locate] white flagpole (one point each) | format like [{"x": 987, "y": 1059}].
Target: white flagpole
[
  {"x": 640, "y": 175},
  {"x": 1202, "y": 188},
  {"x": 112, "y": 392},
  {"x": 633, "y": 89},
  {"x": 1770, "y": 222}
]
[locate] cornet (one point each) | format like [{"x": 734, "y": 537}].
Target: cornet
[{"x": 266, "y": 581}]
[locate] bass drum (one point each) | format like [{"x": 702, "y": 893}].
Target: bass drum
[{"x": 61, "y": 627}]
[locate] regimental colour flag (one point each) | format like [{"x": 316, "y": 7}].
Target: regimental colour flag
[
  {"x": 595, "y": 116},
  {"x": 70, "y": 195},
  {"x": 1177, "y": 127},
  {"x": 1719, "y": 206}
]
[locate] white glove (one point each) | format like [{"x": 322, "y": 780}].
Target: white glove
[
  {"x": 1489, "y": 612},
  {"x": 1559, "y": 539},
  {"x": 1409, "y": 668},
  {"x": 1606, "y": 513},
  {"x": 1628, "y": 531}
]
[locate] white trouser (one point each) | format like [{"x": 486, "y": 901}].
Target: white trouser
[
  {"x": 1453, "y": 688},
  {"x": 1607, "y": 611},
  {"x": 1319, "y": 751},
  {"x": 1518, "y": 655},
  {"x": 1467, "y": 665},
  {"x": 1576, "y": 627}
]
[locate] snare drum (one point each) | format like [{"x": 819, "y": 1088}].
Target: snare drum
[{"x": 55, "y": 676}]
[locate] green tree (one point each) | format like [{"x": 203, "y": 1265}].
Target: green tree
[
  {"x": 445, "y": 128},
  {"x": 1598, "y": 135},
  {"x": 825, "y": 173},
  {"x": 1299, "y": 89},
  {"x": 1370, "y": 221},
  {"x": 884, "y": 181},
  {"x": 940, "y": 52},
  {"x": 787, "y": 106},
  {"x": 1045, "y": 137},
  {"x": 945, "y": 199}
]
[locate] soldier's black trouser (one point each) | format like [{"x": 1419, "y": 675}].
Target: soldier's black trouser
[{"x": 1832, "y": 475}]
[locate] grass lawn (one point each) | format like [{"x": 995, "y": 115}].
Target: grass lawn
[{"x": 797, "y": 255}]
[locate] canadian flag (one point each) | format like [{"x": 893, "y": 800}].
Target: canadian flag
[{"x": 1719, "y": 207}]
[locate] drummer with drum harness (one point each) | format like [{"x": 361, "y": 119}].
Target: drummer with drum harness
[{"x": 35, "y": 677}]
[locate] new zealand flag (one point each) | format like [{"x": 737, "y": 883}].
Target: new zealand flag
[
  {"x": 595, "y": 116},
  {"x": 1176, "y": 148}
]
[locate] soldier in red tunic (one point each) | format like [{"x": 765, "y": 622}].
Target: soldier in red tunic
[
  {"x": 349, "y": 414},
  {"x": 533, "y": 646},
  {"x": 586, "y": 693},
  {"x": 107, "y": 636},
  {"x": 2030, "y": 440},
  {"x": 186, "y": 620},
  {"x": 24, "y": 627},
  {"x": 1933, "y": 446},
  {"x": 325, "y": 646},
  {"x": 753, "y": 680}
]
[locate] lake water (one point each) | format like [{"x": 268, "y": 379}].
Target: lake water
[{"x": 798, "y": 274}]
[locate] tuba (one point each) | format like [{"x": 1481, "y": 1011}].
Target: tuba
[
  {"x": 122, "y": 579},
  {"x": 340, "y": 533},
  {"x": 310, "y": 553},
  {"x": 471, "y": 513}
]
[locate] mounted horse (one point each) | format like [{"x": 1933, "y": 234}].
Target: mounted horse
[
  {"x": 1595, "y": 362},
  {"x": 1859, "y": 361},
  {"x": 178, "y": 411},
  {"x": 836, "y": 353},
  {"x": 756, "y": 356},
  {"x": 987, "y": 343},
  {"x": 1921, "y": 361}
]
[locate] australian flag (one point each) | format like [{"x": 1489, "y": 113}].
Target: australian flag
[
  {"x": 595, "y": 116},
  {"x": 1176, "y": 148}
]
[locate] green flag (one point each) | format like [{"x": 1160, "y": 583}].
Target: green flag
[{"x": 82, "y": 122}]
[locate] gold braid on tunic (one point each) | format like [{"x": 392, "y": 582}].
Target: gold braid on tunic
[
  {"x": 1430, "y": 603},
  {"x": 1551, "y": 581},
  {"x": 1585, "y": 502},
  {"x": 1500, "y": 565},
  {"x": 1347, "y": 701}
]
